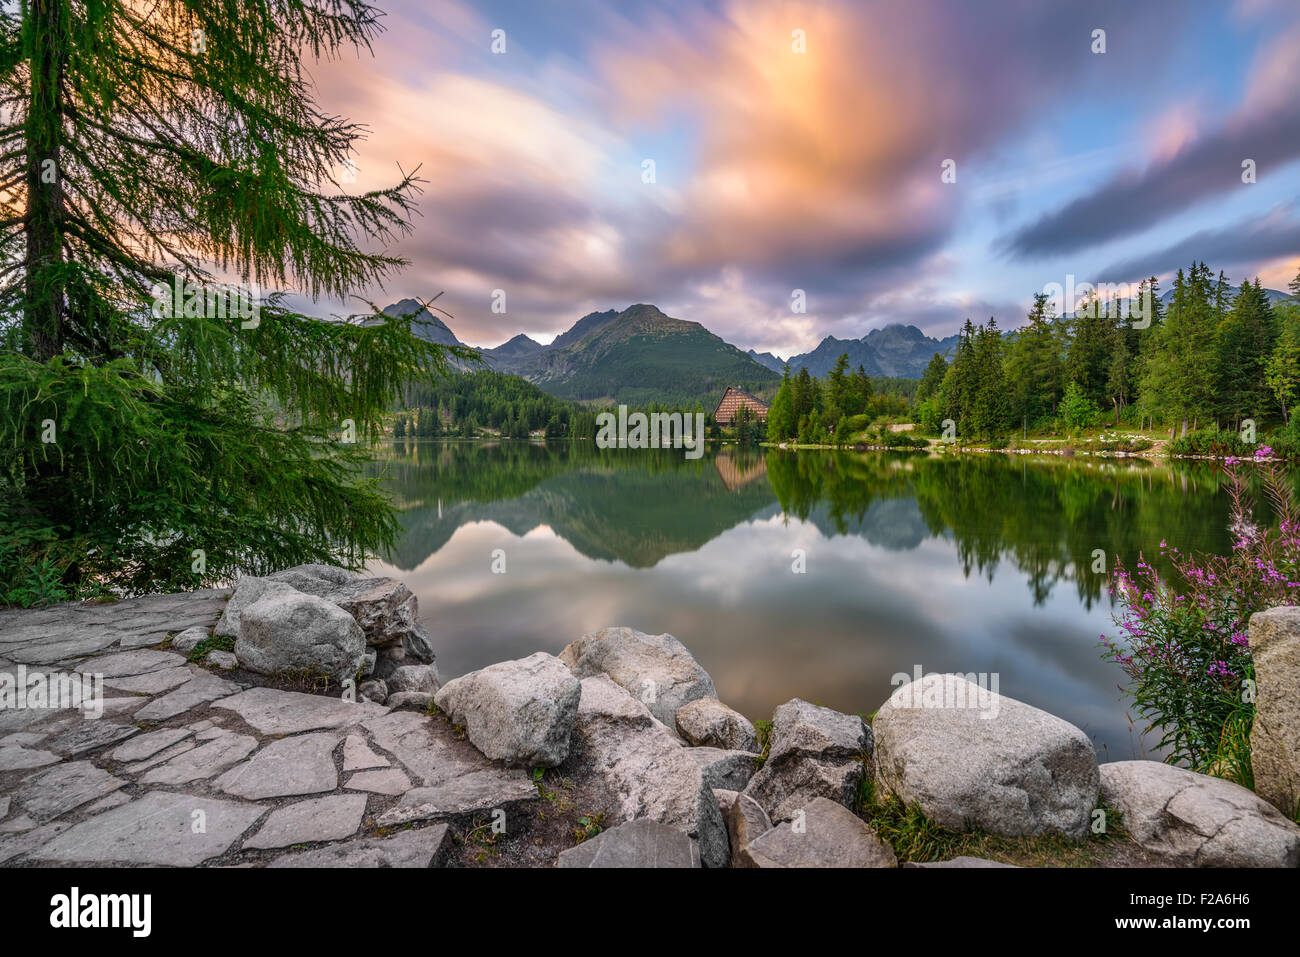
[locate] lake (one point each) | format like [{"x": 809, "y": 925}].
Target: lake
[{"x": 814, "y": 574}]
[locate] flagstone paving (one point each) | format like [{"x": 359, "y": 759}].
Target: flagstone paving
[{"x": 185, "y": 767}]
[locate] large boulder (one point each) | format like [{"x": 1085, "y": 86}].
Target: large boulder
[
  {"x": 656, "y": 669},
  {"x": 971, "y": 757},
  {"x": 745, "y": 821},
  {"x": 248, "y": 589},
  {"x": 307, "y": 578},
  {"x": 644, "y": 767},
  {"x": 385, "y": 608},
  {"x": 728, "y": 770},
  {"x": 1275, "y": 735},
  {"x": 290, "y": 631},
  {"x": 639, "y": 843},
  {"x": 415, "y": 678},
  {"x": 827, "y": 834},
  {"x": 707, "y": 722},
  {"x": 813, "y": 752},
  {"x": 1194, "y": 819},
  {"x": 520, "y": 712}
]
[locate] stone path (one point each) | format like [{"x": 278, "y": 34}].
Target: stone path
[{"x": 186, "y": 767}]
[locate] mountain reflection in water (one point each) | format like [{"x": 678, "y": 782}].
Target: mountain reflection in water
[{"x": 977, "y": 564}]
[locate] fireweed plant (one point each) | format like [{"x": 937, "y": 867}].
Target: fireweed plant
[{"x": 1183, "y": 641}]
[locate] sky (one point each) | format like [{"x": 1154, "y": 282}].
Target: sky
[{"x": 714, "y": 157}]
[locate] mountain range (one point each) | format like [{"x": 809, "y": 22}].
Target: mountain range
[
  {"x": 636, "y": 356},
  {"x": 640, "y": 355}
]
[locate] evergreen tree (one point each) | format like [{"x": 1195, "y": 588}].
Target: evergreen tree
[
  {"x": 932, "y": 377},
  {"x": 781, "y": 420},
  {"x": 160, "y": 147},
  {"x": 861, "y": 392},
  {"x": 1247, "y": 337},
  {"x": 1034, "y": 367},
  {"x": 961, "y": 381},
  {"x": 1282, "y": 371},
  {"x": 990, "y": 410},
  {"x": 838, "y": 387}
]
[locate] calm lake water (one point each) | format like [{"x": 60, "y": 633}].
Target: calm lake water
[{"x": 979, "y": 564}]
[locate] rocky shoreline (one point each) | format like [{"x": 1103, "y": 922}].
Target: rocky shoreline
[{"x": 616, "y": 752}]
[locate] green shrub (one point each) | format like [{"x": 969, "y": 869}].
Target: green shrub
[{"x": 1216, "y": 442}]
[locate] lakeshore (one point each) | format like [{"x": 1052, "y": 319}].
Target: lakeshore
[{"x": 615, "y": 753}]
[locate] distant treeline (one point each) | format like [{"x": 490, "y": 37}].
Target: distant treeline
[
  {"x": 832, "y": 411},
  {"x": 466, "y": 403},
  {"x": 1215, "y": 357}
]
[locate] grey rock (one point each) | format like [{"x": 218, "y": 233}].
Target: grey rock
[
  {"x": 49, "y": 635},
  {"x": 248, "y": 590},
  {"x": 290, "y": 766},
  {"x": 726, "y": 770},
  {"x": 22, "y": 739},
  {"x": 745, "y": 819},
  {"x": 358, "y": 756},
  {"x": 418, "y": 645},
  {"x": 412, "y": 848},
  {"x": 89, "y": 735},
  {"x": 387, "y": 660},
  {"x": 961, "y": 862},
  {"x": 222, "y": 659},
  {"x": 419, "y": 700},
  {"x": 163, "y": 756},
  {"x": 832, "y": 836},
  {"x": 272, "y": 711},
  {"x": 489, "y": 789},
  {"x": 426, "y": 747},
  {"x": 124, "y": 664},
  {"x": 969, "y": 757},
  {"x": 387, "y": 781},
  {"x": 155, "y": 829},
  {"x": 116, "y": 799},
  {"x": 1197, "y": 820},
  {"x": 196, "y": 764},
  {"x": 656, "y": 669},
  {"x": 375, "y": 690},
  {"x": 800, "y": 727},
  {"x": 147, "y": 745},
  {"x": 639, "y": 843},
  {"x": 707, "y": 722},
  {"x": 644, "y": 767},
  {"x": 422, "y": 678},
  {"x": 1275, "y": 733},
  {"x": 285, "y": 633},
  {"x": 58, "y": 790},
  {"x": 189, "y": 639},
  {"x": 22, "y": 759},
  {"x": 322, "y": 819},
  {"x": 23, "y": 841},
  {"x": 202, "y": 689},
  {"x": 520, "y": 712},
  {"x": 63, "y": 649},
  {"x": 307, "y": 577},
  {"x": 813, "y": 752},
  {"x": 384, "y": 608},
  {"x": 152, "y": 682}
]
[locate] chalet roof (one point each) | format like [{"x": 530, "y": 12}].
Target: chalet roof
[{"x": 732, "y": 400}]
